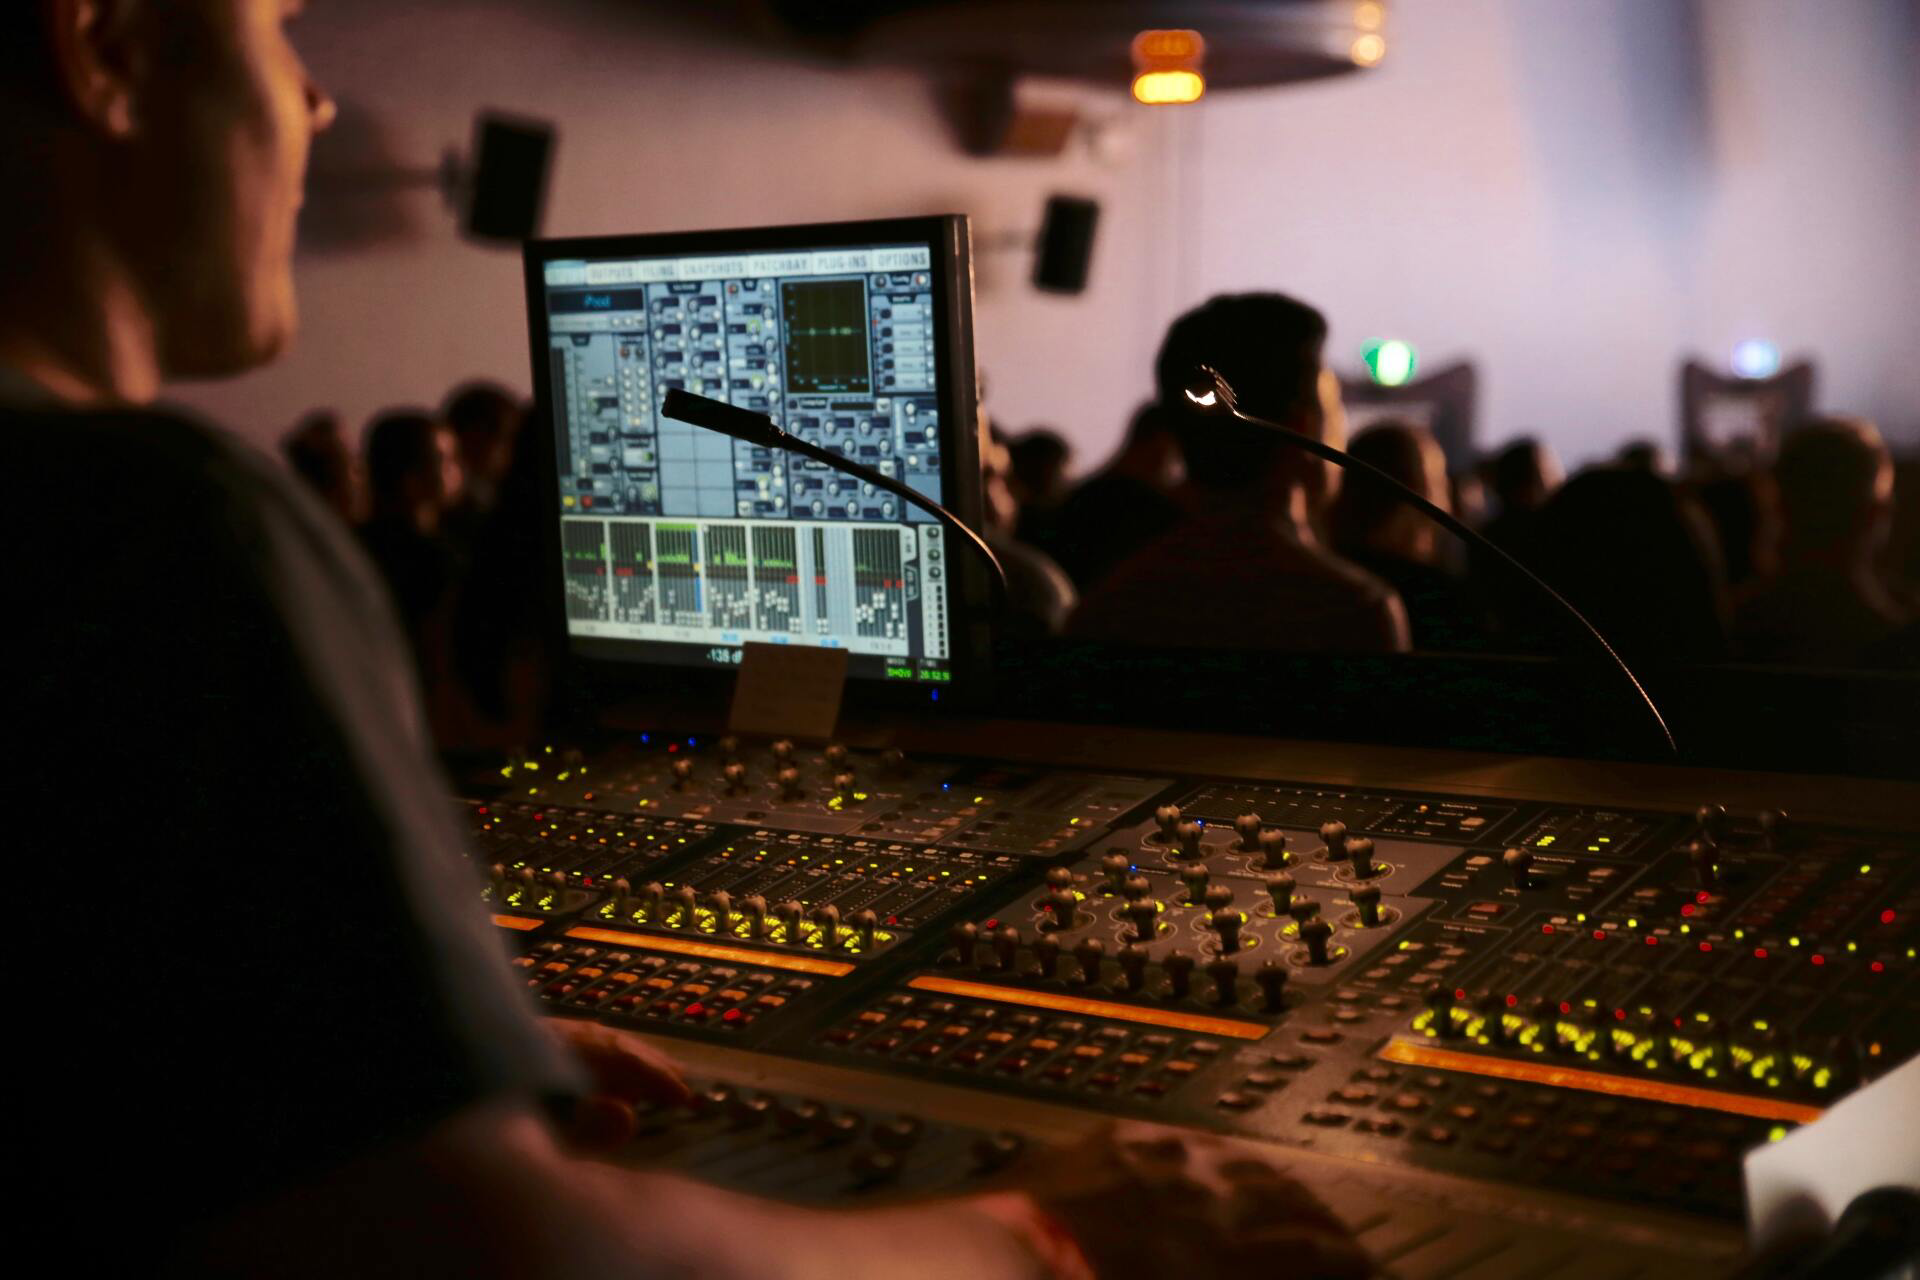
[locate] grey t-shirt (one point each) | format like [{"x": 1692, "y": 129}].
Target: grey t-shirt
[{"x": 252, "y": 947}]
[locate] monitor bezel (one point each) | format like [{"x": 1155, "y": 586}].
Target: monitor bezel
[{"x": 597, "y": 678}]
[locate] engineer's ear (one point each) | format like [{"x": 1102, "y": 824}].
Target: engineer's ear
[{"x": 98, "y": 60}]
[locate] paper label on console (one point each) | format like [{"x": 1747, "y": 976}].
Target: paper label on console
[
  {"x": 788, "y": 691},
  {"x": 1871, "y": 1138}
]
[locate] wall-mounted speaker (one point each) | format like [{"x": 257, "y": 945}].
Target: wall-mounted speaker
[
  {"x": 511, "y": 159},
  {"x": 1066, "y": 244}
]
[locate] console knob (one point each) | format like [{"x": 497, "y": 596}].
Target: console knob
[
  {"x": 834, "y": 1128},
  {"x": 1359, "y": 851},
  {"x": 1225, "y": 974},
  {"x": 744, "y": 1112},
  {"x": 1188, "y": 834},
  {"x": 1775, "y": 829},
  {"x": 783, "y": 750},
  {"x": 1115, "y": 867},
  {"x": 652, "y": 894},
  {"x": 1006, "y": 945},
  {"x": 797, "y": 1116},
  {"x": 1145, "y": 917},
  {"x": 729, "y": 747},
  {"x": 735, "y": 775},
  {"x": 1493, "y": 1009},
  {"x": 898, "y": 1135},
  {"x": 1166, "y": 817},
  {"x": 1440, "y": 1001},
  {"x": 1273, "y": 850},
  {"x": 996, "y": 1151},
  {"x": 1334, "y": 836},
  {"x": 1060, "y": 877},
  {"x": 720, "y": 902},
  {"x": 1272, "y": 978},
  {"x": 843, "y": 786},
  {"x": 1226, "y": 925},
  {"x": 788, "y": 913},
  {"x": 497, "y": 874},
  {"x": 1315, "y": 934},
  {"x": 870, "y": 1168},
  {"x": 682, "y": 774},
  {"x": 827, "y": 919},
  {"x": 1248, "y": 827},
  {"x": 1218, "y": 896},
  {"x": 1519, "y": 865},
  {"x": 1711, "y": 819},
  {"x": 1703, "y": 855},
  {"x": 865, "y": 923},
  {"x": 1046, "y": 955},
  {"x": 836, "y": 756},
  {"x": 1179, "y": 967},
  {"x": 1304, "y": 911},
  {"x": 1133, "y": 967},
  {"x": 1059, "y": 906},
  {"x": 754, "y": 908},
  {"x": 680, "y": 905},
  {"x": 894, "y": 761},
  {"x": 1136, "y": 888},
  {"x": 789, "y": 780},
  {"x": 1366, "y": 900},
  {"x": 1195, "y": 877},
  {"x": 1280, "y": 888},
  {"x": 1089, "y": 952},
  {"x": 623, "y": 901},
  {"x": 963, "y": 936}
]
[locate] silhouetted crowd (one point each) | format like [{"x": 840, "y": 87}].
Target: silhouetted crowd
[
  {"x": 1204, "y": 531},
  {"x": 447, "y": 504}
]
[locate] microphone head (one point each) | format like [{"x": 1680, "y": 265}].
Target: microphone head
[
  {"x": 717, "y": 415},
  {"x": 1210, "y": 392}
]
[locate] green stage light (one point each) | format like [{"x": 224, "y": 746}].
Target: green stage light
[{"x": 1390, "y": 362}]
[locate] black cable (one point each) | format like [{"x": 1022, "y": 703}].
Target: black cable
[
  {"x": 759, "y": 429},
  {"x": 1214, "y": 391}
]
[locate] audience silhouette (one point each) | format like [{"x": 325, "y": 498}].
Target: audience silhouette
[
  {"x": 1245, "y": 569},
  {"x": 1828, "y": 605},
  {"x": 1377, "y": 530}
]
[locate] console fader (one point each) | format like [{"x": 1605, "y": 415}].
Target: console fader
[{"x": 1615, "y": 1004}]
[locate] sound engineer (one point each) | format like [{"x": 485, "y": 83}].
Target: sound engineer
[{"x": 346, "y": 1078}]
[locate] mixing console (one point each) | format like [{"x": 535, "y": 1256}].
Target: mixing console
[{"x": 1617, "y": 1004}]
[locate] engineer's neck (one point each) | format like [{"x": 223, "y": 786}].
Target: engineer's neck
[{"x": 75, "y": 328}]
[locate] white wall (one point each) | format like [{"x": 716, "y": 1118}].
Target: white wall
[{"x": 1573, "y": 192}]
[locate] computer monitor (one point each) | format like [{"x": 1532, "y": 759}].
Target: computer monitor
[{"x": 676, "y": 545}]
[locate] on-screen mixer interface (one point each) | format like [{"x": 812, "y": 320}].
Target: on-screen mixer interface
[{"x": 692, "y": 543}]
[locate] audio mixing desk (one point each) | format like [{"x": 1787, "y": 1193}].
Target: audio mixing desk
[{"x": 1508, "y": 1018}]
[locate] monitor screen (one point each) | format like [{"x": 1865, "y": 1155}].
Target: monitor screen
[{"x": 678, "y": 545}]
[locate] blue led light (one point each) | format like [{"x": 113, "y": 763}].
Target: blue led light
[
  {"x": 646, "y": 738},
  {"x": 934, "y": 694},
  {"x": 946, "y": 786},
  {"x": 1756, "y": 358},
  {"x": 692, "y": 743}
]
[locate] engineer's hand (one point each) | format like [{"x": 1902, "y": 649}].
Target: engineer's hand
[
  {"x": 626, "y": 1071},
  {"x": 1136, "y": 1202}
]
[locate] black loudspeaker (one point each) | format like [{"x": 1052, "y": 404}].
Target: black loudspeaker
[
  {"x": 1066, "y": 244},
  {"x": 510, "y": 162}
]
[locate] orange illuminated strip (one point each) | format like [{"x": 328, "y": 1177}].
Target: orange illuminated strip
[
  {"x": 521, "y": 923},
  {"x": 713, "y": 951},
  {"x": 1679, "y": 1095},
  {"x": 1197, "y": 1023}
]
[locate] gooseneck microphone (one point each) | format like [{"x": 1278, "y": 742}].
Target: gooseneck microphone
[
  {"x": 759, "y": 429},
  {"x": 1213, "y": 393}
]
